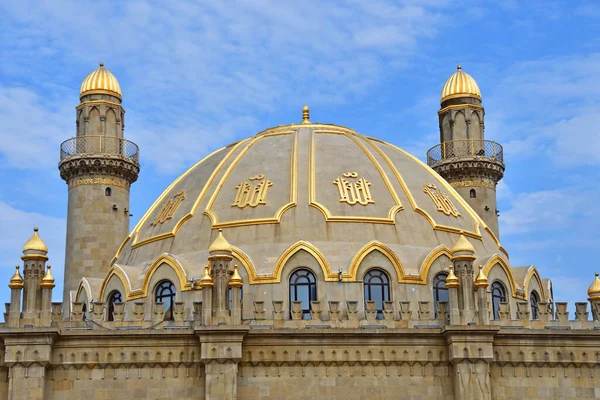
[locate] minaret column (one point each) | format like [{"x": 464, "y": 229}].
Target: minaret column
[
  {"x": 471, "y": 164},
  {"x": 99, "y": 166},
  {"x": 463, "y": 255},
  {"x": 16, "y": 286},
  {"x": 34, "y": 259},
  {"x": 220, "y": 257}
]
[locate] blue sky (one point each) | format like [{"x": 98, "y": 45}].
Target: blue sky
[{"x": 196, "y": 77}]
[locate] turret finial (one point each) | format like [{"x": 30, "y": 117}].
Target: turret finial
[
  {"x": 458, "y": 67},
  {"x": 305, "y": 115},
  {"x": 101, "y": 64}
]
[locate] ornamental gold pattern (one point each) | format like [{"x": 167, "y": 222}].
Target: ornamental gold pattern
[
  {"x": 166, "y": 213},
  {"x": 441, "y": 200},
  {"x": 98, "y": 181},
  {"x": 463, "y": 184},
  {"x": 251, "y": 195},
  {"x": 354, "y": 192}
]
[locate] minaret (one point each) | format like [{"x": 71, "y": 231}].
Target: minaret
[
  {"x": 99, "y": 166},
  {"x": 471, "y": 164}
]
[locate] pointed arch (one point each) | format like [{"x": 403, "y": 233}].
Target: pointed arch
[
  {"x": 497, "y": 260},
  {"x": 374, "y": 245},
  {"x": 94, "y": 126},
  {"x": 163, "y": 259},
  {"x": 441, "y": 250},
  {"x": 532, "y": 273},
  {"x": 121, "y": 275},
  {"x": 111, "y": 123},
  {"x": 84, "y": 285},
  {"x": 246, "y": 263},
  {"x": 289, "y": 252}
]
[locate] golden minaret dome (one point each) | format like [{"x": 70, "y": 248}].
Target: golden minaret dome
[
  {"x": 47, "y": 280},
  {"x": 236, "y": 278},
  {"x": 100, "y": 81},
  {"x": 206, "y": 280},
  {"x": 35, "y": 243},
  {"x": 16, "y": 282},
  {"x": 220, "y": 244},
  {"x": 462, "y": 245},
  {"x": 460, "y": 84},
  {"x": 451, "y": 279},
  {"x": 594, "y": 290}
]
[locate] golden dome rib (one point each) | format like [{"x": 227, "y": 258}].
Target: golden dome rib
[
  {"x": 35, "y": 243},
  {"x": 460, "y": 84},
  {"x": 100, "y": 81}
]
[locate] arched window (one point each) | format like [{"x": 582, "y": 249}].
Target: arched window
[
  {"x": 534, "y": 299},
  {"x": 114, "y": 297},
  {"x": 498, "y": 296},
  {"x": 107, "y": 191},
  {"x": 377, "y": 288},
  {"x": 165, "y": 293},
  {"x": 440, "y": 291},
  {"x": 303, "y": 287},
  {"x": 473, "y": 194}
]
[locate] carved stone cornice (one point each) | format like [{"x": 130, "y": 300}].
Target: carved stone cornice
[
  {"x": 484, "y": 169},
  {"x": 112, "y": 165}
]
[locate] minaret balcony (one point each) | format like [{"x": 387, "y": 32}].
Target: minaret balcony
[
  {"x": 99, "y": 146},
  {"x": 465, "y": 149}
]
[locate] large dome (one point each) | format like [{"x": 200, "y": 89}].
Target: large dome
[{"x": 323, "y": 188}]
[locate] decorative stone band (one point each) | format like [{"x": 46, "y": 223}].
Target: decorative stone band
[
  {"x": 99, "y": 181},
  {"x": 463, "y": 184}
]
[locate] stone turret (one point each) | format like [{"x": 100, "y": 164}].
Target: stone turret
[
  {"x": 471, "y": 164},
  {"x": 99, "y": 166},
  {"x": 463, "y": 255}
]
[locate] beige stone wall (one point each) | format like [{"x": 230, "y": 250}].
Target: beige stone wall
[
  {"x": 94, "y": 230},
  {"x": 486, "y": 197},
  {"x": 126, "y": 382},
  {"x": 344, "y": 382},
  {"x": 545, "y": 382}
]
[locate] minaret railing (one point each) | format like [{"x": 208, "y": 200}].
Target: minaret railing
[
  {"x": 99, "y": 144},
  {"x": 463, "y": 148}
]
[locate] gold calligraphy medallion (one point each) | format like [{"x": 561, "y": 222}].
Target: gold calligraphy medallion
[
  {"x": 248, "y": 194},
  {"x": 167, "y": 211},
  {"x": 441, "y": 200},
  {"x": 355, "y": 192}
]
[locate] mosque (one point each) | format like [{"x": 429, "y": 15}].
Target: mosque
[{"x": 305, "y": 262}]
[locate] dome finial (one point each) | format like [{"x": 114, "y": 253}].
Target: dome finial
[
  {"x": 206, "y": 280},
  {"x": 451, "y": 279},
  {"x": 481, "y": 281},
  {"x": 236, "y": 279},
  {"x": 458, "y": 67},
  {"x": 16, "y": 282},
  {"x": 594, "y": 290},
  {"x": 305, "y": 115},
  {"x": 35, "y": 243},
  {"x": 220, "y": 244},
  {"x": 102, "y": 65},
  {"x": 462, "y": 245},
  {"x": 47, "y": 280}
]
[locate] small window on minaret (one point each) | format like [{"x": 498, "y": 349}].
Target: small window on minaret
[
  {"x": 473, "y": 194},
  {"x": 108, "y": 192}
]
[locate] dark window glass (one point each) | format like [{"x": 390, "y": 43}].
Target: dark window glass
[
  {"x": 498, "y": 296},
  {"x": 534, "y": 299},
  {"x": 165, "y": 293},
  {"x": 303, "y": 287},
  {"x": 440, "y": 291},
  {"x": 114, "y": 297},
  {"x": 108, "y": 191},
  {"x": 231, "y": 300},
  {"x": 84, "y": 310},
  {"x": 473, "y": 194},
  {"x": 377, "y": 288}
]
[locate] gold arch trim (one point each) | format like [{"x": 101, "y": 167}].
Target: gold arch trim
[
  {"x": 288, "y": 253},
  {"x": 532, "y": 272},
  {"x": 163, "y": 259},
  {"x": 312, "y": 187},
  {"x": 441, "y": 250},
  {"x": 497, "y": 260},
  {"x": 122, "y": 276},
  {"x": 293, "y": 186},
  {"x": 368, "y": 249},
  {"x": 246, "y": 263}
]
